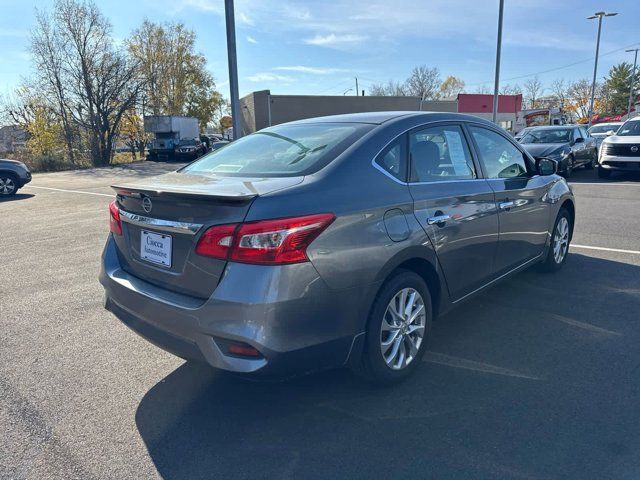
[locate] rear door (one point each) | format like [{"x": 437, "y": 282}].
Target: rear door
[
  {"x": 455, "y": 207},
  {"x": 521, "y": 197}
]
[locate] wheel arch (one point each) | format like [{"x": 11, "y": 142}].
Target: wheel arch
[{"x": 569, "y": 206}]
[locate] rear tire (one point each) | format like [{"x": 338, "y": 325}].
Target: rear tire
[
  {"x": 398, "y": 329},
  {"x": 8, "y": 184},
  {"x": 603, "y": 173},
  {"x": 560, "y": 240}
]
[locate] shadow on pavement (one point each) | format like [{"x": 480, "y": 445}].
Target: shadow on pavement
[
  {"x": 16, "y": 197},
  {"x": 575, "y": 332}
]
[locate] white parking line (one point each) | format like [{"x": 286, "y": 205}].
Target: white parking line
[
  {"x": 457, "y": 362},
  {"x": 605, "y": 249},
  {"x": 72, "y": 191}
]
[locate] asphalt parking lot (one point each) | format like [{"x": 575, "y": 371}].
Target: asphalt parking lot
[{"x": 536, "y": 378}]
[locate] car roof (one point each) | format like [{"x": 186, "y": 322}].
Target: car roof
[
  {"x": 378, "y": 118},
  {"x": 555, "y": 127}
]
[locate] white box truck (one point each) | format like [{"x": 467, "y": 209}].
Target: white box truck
[{"x": 176, "y": 137}]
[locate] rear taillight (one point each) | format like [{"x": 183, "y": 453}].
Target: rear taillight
[
  {"x": 216, "y": 242},
  {"x": 115, "y": 225},
  {"x": 266, "y": 242}
]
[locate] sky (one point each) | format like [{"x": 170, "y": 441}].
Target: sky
[{"x": 319, "y": 47}]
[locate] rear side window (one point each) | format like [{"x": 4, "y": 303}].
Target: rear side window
[
  {"x": 500, "y": 157},
  {"x": 393, "y": 159},
  {"x": 281, "y": 151},
  {"x": 440, "y": 154}
]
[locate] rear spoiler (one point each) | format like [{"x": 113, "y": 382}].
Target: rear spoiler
[{"x": 136, "y": 191}]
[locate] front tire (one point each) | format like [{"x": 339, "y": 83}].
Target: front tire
[
  {"x": 560, "y": 240},
  {"x": 568, "y": 169},
  {"x": 398, "y": 329},
  {"x": 8, "y": 185},
  {"x": 591, "y": 164}
]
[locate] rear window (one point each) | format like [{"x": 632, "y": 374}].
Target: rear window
[{"x": 281, "y": 151}]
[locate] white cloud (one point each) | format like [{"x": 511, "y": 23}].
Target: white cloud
[
  {"x": 250, "y": 39},
  {"x": 270, "y": 77},
  {"x": 245, "y": 19},
  {"x": 333, "y": 40},
  {"x": 310, "y": 70}
]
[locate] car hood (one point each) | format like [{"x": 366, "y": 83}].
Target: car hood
[
  {"x": 211, "y": 185},
  {"x": 623, "y": 139},
  {"x": 544, "y": 149}
]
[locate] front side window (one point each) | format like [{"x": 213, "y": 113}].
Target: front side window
[
  {"x": 281, "y": 151},
  {"x": 440, "y": 154},
  {"x": 630, "y": 128},
  {"x": 500, "y": 157},
  {"x": 393, "y": 159}
]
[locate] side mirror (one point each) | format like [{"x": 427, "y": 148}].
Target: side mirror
[
  {"x": 546, "y": 166},
  {"x": 579, "y": 140},
  {"x": 611, "y": 132}
]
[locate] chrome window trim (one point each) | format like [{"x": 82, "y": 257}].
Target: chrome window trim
[
  {"x": 425, "y": 125},
  {"x": 165, "y": 225}
]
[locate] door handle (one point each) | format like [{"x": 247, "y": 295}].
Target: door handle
[
  {"x": 506, "y": 205},
  {"x": 438, "y": 219}
]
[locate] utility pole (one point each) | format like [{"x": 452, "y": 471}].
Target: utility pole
[
  {"x": 357, "y": 89},
  {"x": 498, "y": 49},
  {"x": 599, "y": 16},
  {"x": 633, "y": 80},
  {"x": 496, "y": 85},
  {"x": 233, "y": 67}
]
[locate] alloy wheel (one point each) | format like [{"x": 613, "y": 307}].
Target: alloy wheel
[
  {"x": 403, "y": 328},
  {"x": 561, "y": 240},
  {"x": 7, "y": 185}
]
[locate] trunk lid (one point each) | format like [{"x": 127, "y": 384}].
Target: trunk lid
[{"x": 175, "y": 209}]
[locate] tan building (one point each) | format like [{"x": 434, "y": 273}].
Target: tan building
[{"x": 261, "y": 109}]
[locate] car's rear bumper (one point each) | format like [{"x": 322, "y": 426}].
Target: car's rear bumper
[
  {"x": 287, "y": 313},
  {"x": 610, "y": 162}
]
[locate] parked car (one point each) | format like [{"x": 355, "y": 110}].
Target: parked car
[
  {"x": 13, "y": 176},
  {"x": 219, "y": 144},
  {"x": 190, "y": 150},
  {"x": 570, "y": 145},
  {"x": 518, "y": 136},
  {"x": 602, "y": 130},
  {"x": 622, "y": 150},
  {"x": 330, "y": 241}
]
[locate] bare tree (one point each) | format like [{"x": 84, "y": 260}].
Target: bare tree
[
  {"x": 424, "y": 82},
  {"x": 483, "y": 90},
  {"x": 389, "y": 89},
  {"x": 508, "y": 89},
  {"x": 533, "y": 89},
  {"x": 560, "y": 90},
  {"x": 579, "y": 94},
  {"x": 89, "y": 82},
  {"x": 48, "y": 50}
]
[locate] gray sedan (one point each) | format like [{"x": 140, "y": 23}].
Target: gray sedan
[
  {"x": 13, "y": 176},
  {"x": 330, "y": 242}
]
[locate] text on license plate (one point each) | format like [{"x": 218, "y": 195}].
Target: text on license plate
[{"x": 155, "y": 248}]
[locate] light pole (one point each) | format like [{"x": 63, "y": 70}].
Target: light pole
[
  {"x": 599, "y": 16},
  {"x": 633, "y": 78},
  {"x": 346, "y": 91},
  {"x": 233, "y": 67},
  {"x": 498, "y": 48}
]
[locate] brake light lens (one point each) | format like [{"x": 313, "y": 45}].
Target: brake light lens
[
  {"x": 266, "y": 242},
  {"x": 115, "y": 225},
  {"x": 216, "y": 242}
]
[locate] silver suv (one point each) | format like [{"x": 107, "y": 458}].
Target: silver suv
[{"x": 13, "y": 176}]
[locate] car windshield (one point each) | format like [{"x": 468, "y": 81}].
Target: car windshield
[
  {"x": 630, "y": 128},
  {"x": 548, "y": 136},
  {"x": 603, "y": 128},
  {"x": 281, "y": 151}
]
